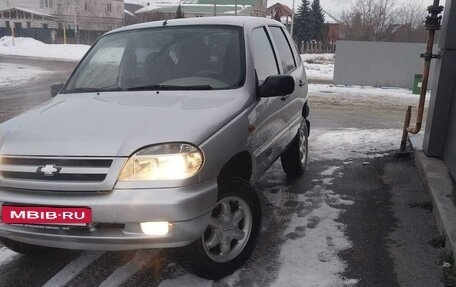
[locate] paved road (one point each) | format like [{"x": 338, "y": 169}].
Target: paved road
[
  {"x": 14, "y": 100},
  {"x": 357, "y": 220}
]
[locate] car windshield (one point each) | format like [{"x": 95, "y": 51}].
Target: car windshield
[{"x": 165, "y": 58}]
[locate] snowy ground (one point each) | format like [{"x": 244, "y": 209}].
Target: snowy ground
[
  {"x": 321, "y": 95},
  {"x": 319, "y": 67},
  {"x": 35, "y": 49},
  {"x": 302, "y": 236},
  {"x": 313, "y": 237},
  {"x": 12, "y": 74}
]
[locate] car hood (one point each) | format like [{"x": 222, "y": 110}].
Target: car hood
[{"x": 117, "y": 124}]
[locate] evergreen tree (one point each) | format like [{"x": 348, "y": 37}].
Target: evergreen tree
[
  {"x": 318, "y": 19},
  {"x": 303, "y": 23},
  {"x": 179, "y": 12}
]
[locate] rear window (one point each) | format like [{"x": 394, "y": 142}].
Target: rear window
[{"x": 286, "y": 55}]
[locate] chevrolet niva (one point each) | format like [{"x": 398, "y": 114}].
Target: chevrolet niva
[{"x": 155, "y": 141}]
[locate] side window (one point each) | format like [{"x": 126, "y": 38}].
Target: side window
[
  {"x": 284, "y": 49},
  {"x": 263, "y": 55}
]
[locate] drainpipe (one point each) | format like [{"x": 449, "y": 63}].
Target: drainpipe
[{"x": 433, "y": 23}]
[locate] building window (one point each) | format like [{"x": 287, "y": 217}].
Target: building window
[
  {"x": 109, "y": 7},
  {"x": 29, "y": 25},
  {"x": 86, "y": 7},
  {"x": 7, "y": 23},
  {"x": 41, "y": 3},
  {"x": 46, "y": 4},
  {"x": 51, "y": 3},
  {"x": 45, "y": 26}
]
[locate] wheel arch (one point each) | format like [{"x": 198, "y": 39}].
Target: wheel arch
[{"x": 239, "y": 165}]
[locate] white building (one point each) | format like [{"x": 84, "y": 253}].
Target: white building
[{"x": 82, "y": 19}]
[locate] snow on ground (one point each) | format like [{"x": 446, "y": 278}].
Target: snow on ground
[
  {"x": 317, "y": 57},
  {"x": 305, "y": 252},
  {"x": 362, "y": 98},
  {"x": 33, "y": 48},
  {"x": 361, "y": 90},
  {"x": 353, "y": 143},
  {"x": 320, "y": 71},
  {"x": 319, "y": 66},
  {"x": 310, "y": 257},
  {"x": 13, "y": 74}
]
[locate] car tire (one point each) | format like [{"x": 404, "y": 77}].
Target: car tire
[
  {"x": 294, "y": 158},
  {"x": 28, "y": 249},
  {"x": 231, "y": 235}
]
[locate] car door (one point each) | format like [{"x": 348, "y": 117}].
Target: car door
[
  {"x": 270, "y": 118},
  {"x": 290, "y": 64}
]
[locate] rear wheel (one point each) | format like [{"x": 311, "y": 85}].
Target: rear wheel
[
  {"x": 294, "y": 159},
  {"x": 231, "y": 235},
  {"x": 28, "y": 249}
]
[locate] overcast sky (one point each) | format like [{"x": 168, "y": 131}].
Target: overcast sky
[{"x": 335, "y": 7}]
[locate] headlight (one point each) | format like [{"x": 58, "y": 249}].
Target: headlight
[{"x": 163, "y": 162}]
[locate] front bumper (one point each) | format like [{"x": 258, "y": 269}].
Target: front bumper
[{"x": 117, "y": 216}]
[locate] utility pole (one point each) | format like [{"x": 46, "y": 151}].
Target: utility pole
[
  {"x": 64, "y": 34},
  {"x": 215, "y": 7},
  {"x": 12, "y": 34},
  {"x": 292, "y": 19},
  {"x": 235, "y": 7}
]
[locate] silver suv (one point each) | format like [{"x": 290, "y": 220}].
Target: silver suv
[{"x": 155, "y": 141}]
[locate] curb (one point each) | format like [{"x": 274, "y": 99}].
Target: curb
[
  {"x": 41, "y": 58},
  {"x": 439, "y": 184}
]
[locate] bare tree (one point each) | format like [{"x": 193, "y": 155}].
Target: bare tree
[
  {"x": 384, "y": 20},
  {"x": 411, "y": 17}
]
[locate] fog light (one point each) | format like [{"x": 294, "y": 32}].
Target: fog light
[{"x": 155, "y": 228}]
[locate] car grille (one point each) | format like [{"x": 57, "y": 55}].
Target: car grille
[{"x": 50, "y": 173}]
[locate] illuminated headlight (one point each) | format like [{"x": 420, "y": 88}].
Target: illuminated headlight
[{"x": 163, "y": 162}]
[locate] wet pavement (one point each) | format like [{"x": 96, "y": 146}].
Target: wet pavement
[{"x": 353, "y": 219}]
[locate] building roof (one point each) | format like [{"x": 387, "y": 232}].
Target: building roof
[
  {"x": 129, "y": 13},
  {"x": 286, "y": 11},
  {"x": 239, "y": 21},
  {"x": 203, "y": 9},
  {"x": 49, "y": 16},
  {"x": 330, "y": 19}
]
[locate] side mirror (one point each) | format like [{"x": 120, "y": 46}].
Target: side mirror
[
  {"x": 56, "y": 88},
  {"x": 277, "y": 86}
]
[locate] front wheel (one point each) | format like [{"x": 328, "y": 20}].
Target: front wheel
[
  {"x": 231, "y": 236},
  {"x": 294, "y": 158}
]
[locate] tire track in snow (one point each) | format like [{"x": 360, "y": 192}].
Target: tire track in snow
[
  {"x": 70, "y": 271},
  {"x": 7, "y": 255},
  {"x": 122, "y": 274}
]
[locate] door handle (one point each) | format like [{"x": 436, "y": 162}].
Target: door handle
[{"x": 301, "y": 83}]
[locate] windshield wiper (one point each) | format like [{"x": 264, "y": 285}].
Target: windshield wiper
[
  {"x": 169, "y": 87},
  {"x": 91, "y": 90}
]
